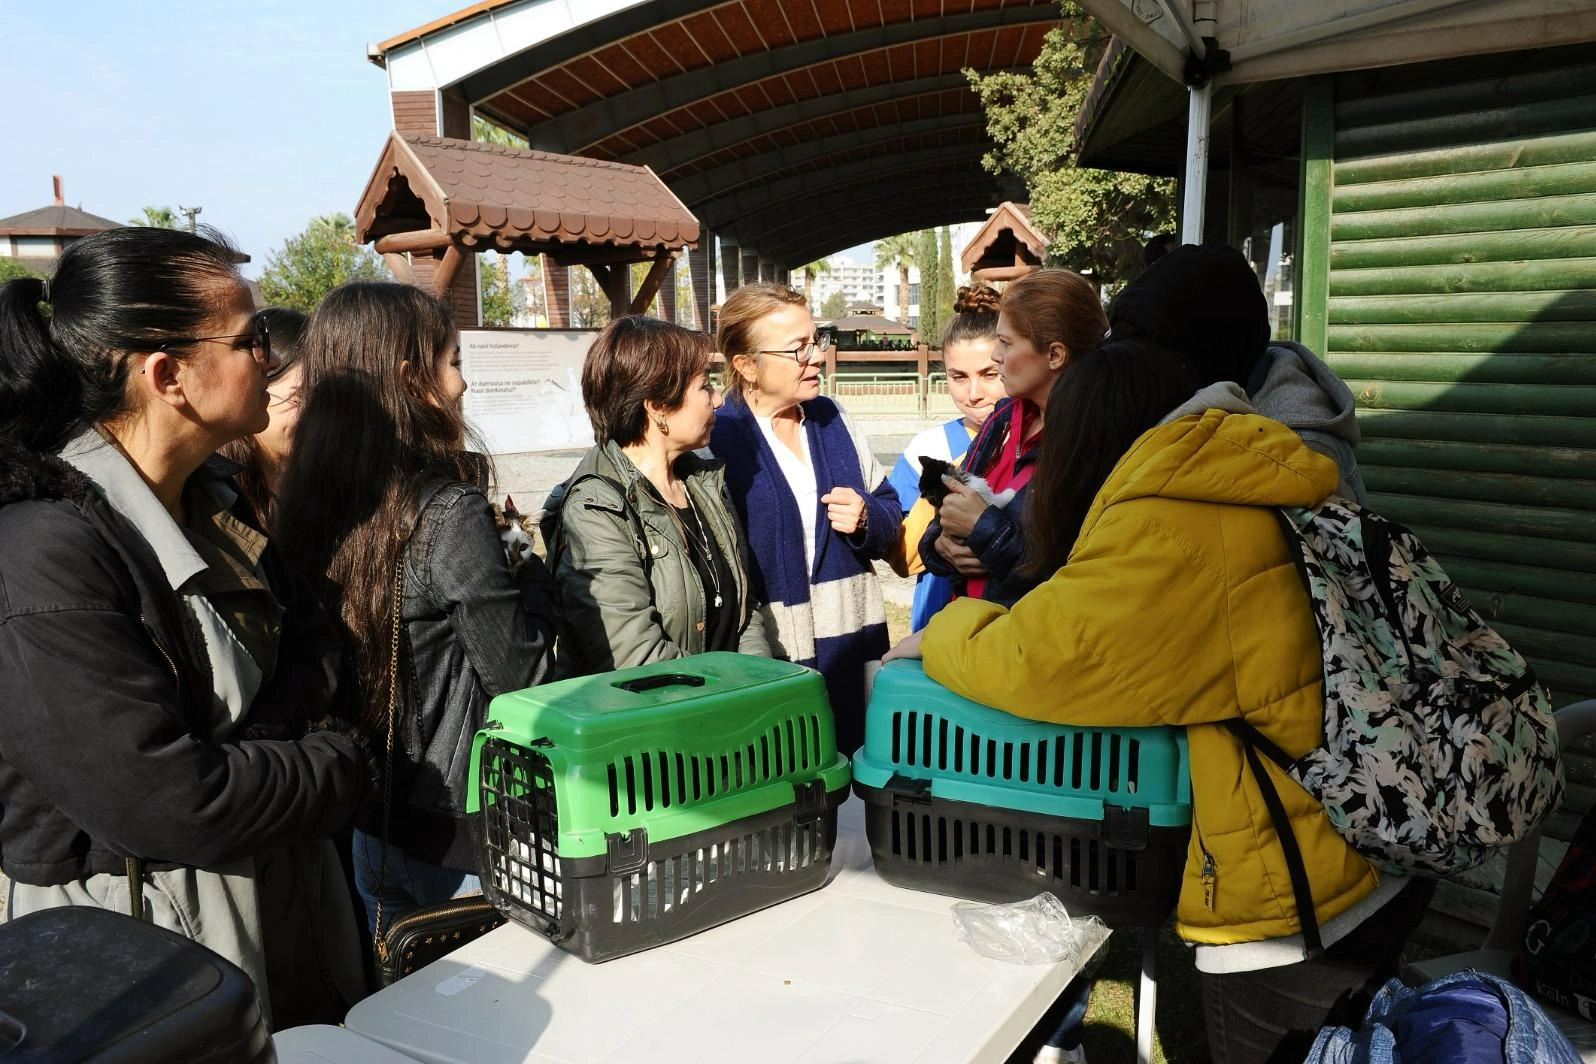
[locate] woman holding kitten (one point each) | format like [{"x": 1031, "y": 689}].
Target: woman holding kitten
[
  {"x": 644, "y": 543},
  {"x": 1043, "y": 320},
  {"x": 383, "y": 507},
  {"x": 975, "y": 385}
]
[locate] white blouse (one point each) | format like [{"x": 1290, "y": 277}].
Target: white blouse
[{"x": 799, "y": 473}]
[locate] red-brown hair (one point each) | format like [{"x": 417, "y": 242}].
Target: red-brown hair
[{"x": 1055, "y": 306}]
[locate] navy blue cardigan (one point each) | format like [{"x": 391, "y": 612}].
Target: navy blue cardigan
[{"x": 831, "y": 619}]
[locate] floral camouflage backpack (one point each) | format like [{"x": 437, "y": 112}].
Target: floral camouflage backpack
[{"x": 1439, "y": 746}]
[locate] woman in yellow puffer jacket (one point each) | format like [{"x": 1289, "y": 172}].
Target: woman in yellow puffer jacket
[{"x": 1179, "y": 605}]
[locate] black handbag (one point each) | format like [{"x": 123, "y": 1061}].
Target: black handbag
[
  {"x": 418, "y": 938},
  {"x": 423, "y": 935}
]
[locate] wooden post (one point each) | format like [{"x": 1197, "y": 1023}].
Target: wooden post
[
  {"x": 399, "y": 266},
  {"x": 448, "y": 266},
  {"x": 650, "y": 286}
]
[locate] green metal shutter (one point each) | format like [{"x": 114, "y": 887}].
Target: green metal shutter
[{"x": 1450, "y": 240}]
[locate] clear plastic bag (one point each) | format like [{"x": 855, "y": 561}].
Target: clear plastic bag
[{"x": 1038, "y": 931}]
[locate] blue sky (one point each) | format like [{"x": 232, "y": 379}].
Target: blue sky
[{"x": 264, "y": 113}]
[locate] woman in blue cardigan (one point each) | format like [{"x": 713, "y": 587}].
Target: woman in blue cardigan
[{"x": 817, "y": 506}]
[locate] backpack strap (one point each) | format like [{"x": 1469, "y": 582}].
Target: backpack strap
[
  {"x": 638, "y": 531},
  {"x": 1252, "y": 741}
]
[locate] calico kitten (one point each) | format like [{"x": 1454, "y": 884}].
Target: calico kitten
[
  {"x": 515, "y": 532},
  {"x": 932, "y": 489}
]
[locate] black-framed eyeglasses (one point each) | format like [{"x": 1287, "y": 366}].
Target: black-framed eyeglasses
[
  {"x": 803, "y": 355},
  {"x": 259, "y": 341}
]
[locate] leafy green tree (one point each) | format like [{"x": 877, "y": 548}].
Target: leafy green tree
[
  {"x": 1097, "y": 219},
  {"x": 925, "y": 254},
  {"x": 491, "y": 133},
  {"x": 310, "y": 265},
  {"x": 156, "y": 218},
  {"x": 947, "y": 291},
  {"x": 898, "y": 251},
  {"x": 810, "y": 272},
  {"x": 11, "y": 269},
  {"x": 590, "y": 307},
  {"x": 834, "y": 306},
  {"x": 503, "y": 296}
]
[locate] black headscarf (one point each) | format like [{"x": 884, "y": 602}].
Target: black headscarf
[{"x": 1203, "y": 302}]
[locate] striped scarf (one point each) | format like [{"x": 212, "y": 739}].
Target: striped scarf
[{"x": 831, "y": 619}]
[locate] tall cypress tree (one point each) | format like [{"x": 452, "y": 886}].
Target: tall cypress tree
[
  {"x": 947, "y": 291},
  {"x": 925, "y": 257}
]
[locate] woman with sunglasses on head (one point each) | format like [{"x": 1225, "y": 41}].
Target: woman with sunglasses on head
[
  {"x": 154, "y": 754},
  {"x": 643, "y": 540},
  {"x": 817, "y": 505},
  {"x": 382, "y": 507},
  {"x": 264, "y": 455}
]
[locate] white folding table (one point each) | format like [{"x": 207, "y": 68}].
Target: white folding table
[{"x": 857, "y": 972}]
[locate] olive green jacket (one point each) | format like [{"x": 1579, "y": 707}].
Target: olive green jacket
[{"x": 629, "y": 593}]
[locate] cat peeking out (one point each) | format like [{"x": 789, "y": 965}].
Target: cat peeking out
[{"x": 515, "y": 532}]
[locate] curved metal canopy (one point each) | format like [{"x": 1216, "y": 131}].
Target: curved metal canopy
[{"x": 793, "y": 128}]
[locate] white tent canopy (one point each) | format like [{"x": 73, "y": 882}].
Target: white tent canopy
[{"x": 1267, "y": 39}]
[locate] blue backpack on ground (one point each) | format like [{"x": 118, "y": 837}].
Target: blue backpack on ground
[{"x": 1439, "y": 746}]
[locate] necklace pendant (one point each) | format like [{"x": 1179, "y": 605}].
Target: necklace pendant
[{"x": 717, "y": 600}]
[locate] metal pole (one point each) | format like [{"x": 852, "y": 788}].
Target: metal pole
[{"x": 1198, "y": 114}]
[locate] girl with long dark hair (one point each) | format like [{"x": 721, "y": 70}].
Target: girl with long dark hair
[
  {"x": 263, "y": 456},
  {"x": 384, "y": 500}
]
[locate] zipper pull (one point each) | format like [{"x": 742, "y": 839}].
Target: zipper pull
[{"x": 1210, "y": 879}]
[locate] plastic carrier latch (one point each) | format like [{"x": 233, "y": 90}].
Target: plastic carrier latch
[
  {"x": 809, "y": 801},
  {"x": 908, "y": 790},
  {"x": 628, "y": 851},
  {"x": 1125, "y": 827}
]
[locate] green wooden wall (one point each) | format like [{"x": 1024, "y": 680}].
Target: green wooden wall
[
  {"x": 1450, "y": 224},
  {"x": 1447, "y": 270}
]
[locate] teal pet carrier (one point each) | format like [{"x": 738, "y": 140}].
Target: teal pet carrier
[{"x": 967, "y": 800}]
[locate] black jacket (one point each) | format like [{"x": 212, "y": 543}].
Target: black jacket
[
  {"x": 471, "y": 631},
  {"x": 105, "y": 695}
]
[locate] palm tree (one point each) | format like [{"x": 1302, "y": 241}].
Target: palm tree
[
  {"x": 810, "y": 272},
  {"x": 156, "y": 218},
  {"x": 898, "y": 251},
  {"x": 337, "y": 224}
]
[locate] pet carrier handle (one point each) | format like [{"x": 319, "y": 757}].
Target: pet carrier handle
[{"x": 664, "y": 679}]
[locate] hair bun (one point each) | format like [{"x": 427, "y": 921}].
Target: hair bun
[{"x": 976, "y": 299}]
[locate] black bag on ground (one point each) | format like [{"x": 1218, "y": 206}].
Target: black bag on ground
[{"x": 80, "y": 983}]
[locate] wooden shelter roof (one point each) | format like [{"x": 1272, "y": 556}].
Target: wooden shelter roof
[
  {"x": 796, "y": 129},
  {"x": 487, "y": 196}
]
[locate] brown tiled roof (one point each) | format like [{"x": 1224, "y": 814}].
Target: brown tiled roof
[
  {"x": 1015, "y": 217},
  {"x": 870, "y": 322},
  {"x": 487, "y": 194},
  {"x": 55, "y": 220}
]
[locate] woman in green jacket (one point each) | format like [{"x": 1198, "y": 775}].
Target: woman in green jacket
[{"x": 642, "y": 538}]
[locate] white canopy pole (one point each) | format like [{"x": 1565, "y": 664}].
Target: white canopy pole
[{"x": 1195, "y": 187}]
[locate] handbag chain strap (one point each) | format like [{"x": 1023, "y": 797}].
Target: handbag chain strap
[{"x": 387, "y": 770}]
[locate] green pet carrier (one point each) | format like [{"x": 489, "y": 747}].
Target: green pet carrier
[
  {"x": 967, "y": 800},
  {"x": 634, "y": 808}
]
